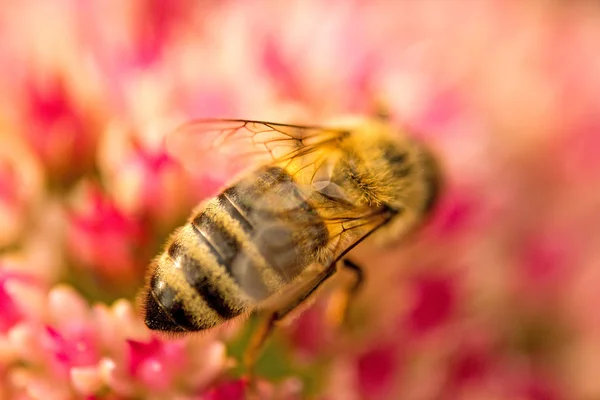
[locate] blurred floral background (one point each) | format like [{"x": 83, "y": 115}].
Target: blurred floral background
[{"x": 494, "y": 299}]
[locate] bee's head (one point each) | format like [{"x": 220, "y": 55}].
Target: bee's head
[{"x": 398, "y": 173}]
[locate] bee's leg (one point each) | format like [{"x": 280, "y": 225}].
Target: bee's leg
[
  {"x": 260, "y": 336},
  {"x": 257, "y": 342},
  {"x": 338, "y": 311},
  {"x": 359, "y": 275}
]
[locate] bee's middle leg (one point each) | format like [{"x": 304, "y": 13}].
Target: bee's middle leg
[{"x": 261, "y": 334}]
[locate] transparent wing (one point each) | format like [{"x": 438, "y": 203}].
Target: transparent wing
[
  {"x": 351, "y": 231},
  {"x": 294, "y": 226},
  {"x": 276, "y": 241},
  {"x": 352, "y": 227},
  {"x": 223, "y": 148}
]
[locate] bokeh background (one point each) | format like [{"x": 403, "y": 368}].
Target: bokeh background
[{"x": 495, "y": 298}]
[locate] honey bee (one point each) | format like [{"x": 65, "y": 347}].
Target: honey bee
[{"x": 302, "y": 197}]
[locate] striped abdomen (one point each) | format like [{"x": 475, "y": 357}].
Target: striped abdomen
[{"x": 241, "y": 248}]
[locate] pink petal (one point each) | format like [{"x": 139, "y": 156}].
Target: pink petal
[
  {"x": 376, "y": 371},
  {"x": 119, "y": 382},
  {"x": 156, "y": 363},
  {"x": 471, "y": 362},
  {"x": 537, "y": 388},
  {"x": 546, "y": 260},
  {"x": 24, "y": 340},
  {"x": 76, "y": 348},
  {"x": 234, "y": 390},
  {"x": 86, "y": 380},
  {"x": 11, "y": 313},
  {"x": 105, "y": 239},
  {"x": 48, "y": 389},
  {"x": 280, "y": 70},
  {"x": 456, "y": 211},
  {"x": 66, "y": 305},
  {"x": 148, "y": 181},
  {"x": 434, "y": 303},
  {"x": 140, "y": 351},
  {"x": 9, "y": 188},
  {"x": 58, "y": 132},
  {"x": 156, "y": 21},
  {"x": 309, "y": 333}
]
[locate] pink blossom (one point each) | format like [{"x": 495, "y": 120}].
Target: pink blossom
[
  {"x": 13, "y": 285},
  {"x": 546, "y": 259},
  {"x": 88, "y": 350},
  {"x": 234, "y": 390},
  {"x": 145, "y": 180},
  {"x": 377, "y": 371},
  {"x": 58, "y": 130},
  {"x": 578, "y": 154},
  {"x": 20, "y": 187},
  {"x": 434, "y": 303},
  {"x": 471, "y": 365},
  {"x": 11, "y": 314},
  {"x": 508, "y": 103},
  {"x": 105, "y": 239},
  {"x": 156, "y": 364},
  {"x": 540, "y": 390},
  {"x": 156, "y": 23},
  {"x": 453, "y": 213},
  {"x": 309, "y": 333},
  {"x": 74, "y": 348}
]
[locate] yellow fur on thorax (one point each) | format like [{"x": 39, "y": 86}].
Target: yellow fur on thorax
[{"x": 380, "y": 185}]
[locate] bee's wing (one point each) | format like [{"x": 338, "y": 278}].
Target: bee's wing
[
  {"x": 349, "y": 230},
  {"x": 225, "y": 147},
  {"x": 285, "y": 227}
]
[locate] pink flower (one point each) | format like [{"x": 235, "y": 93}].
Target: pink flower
[
  {"x": 539, "y": 389},
  {"x": 75, "y": 348},
  {"x": 156, "y": 364},
  {"x": 377, "y": 370},
  {"x": 11, "y": 313},
  {"x": 434, "y": 302},
  {"x": 89, "y": 350},
  {"x": 296, "y": 78},
  {"x": 105, "y": 239},
  {"x": 577, "y": 150},
  {"x": 546, "y": 259},
  {"x": 234, "y": 390},
  {"x": 145, "y": 180},
  {"x": 468, "y": 366},
  {"x": 310, "y": 333},
  {"x": 471, "y": 365},
  {"x": 156, "y": 22},
  {"x": 20, "y": 187},
  {"x": 507, "y": 102},
  {"x": 58, "y": 130},
  {"x": 239, "y": 389},
  {"x": 457, "y": 210}
]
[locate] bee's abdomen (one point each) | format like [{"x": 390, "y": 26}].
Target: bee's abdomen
[
  {"x": 278, "y": 231},
  {"x": 188, "y": 291},
  {"x": 164, "y": 311},
  {"x": 242, "y": 247}
]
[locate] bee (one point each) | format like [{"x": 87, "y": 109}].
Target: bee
[{"x": 302, "y": 197}]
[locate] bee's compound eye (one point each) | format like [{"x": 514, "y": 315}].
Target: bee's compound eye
[{"x": 163, "y": 311}]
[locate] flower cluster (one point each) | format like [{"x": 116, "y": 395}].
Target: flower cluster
[{"x": 493, "y": 298}]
